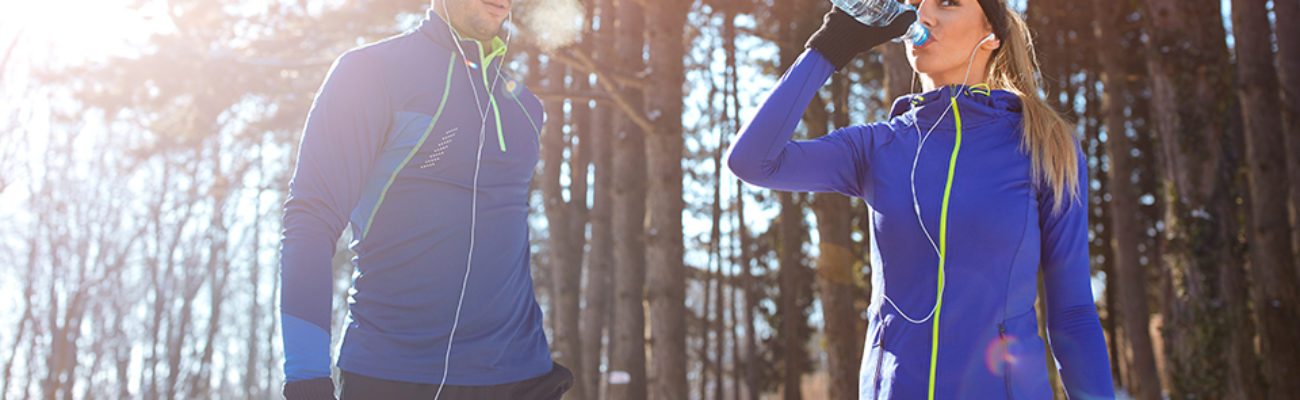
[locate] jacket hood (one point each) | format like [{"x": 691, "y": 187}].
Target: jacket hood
[{"x": 976, "y": 106}]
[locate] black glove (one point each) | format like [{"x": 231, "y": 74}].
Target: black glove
[
  {"x": 311, "y": 389},
  {"x": 841, "y": 37}
]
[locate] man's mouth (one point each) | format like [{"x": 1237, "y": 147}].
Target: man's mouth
[{"x": 496, "y": 7}]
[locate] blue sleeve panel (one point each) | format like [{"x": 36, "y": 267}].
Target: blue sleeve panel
[
  {"x": 306, "y": 349},
  {"x": 1002, "y": 235},
  {"x": 345, "y": 129}
]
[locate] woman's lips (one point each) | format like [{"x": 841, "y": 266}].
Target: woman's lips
[{"x": 924, "y": 45}]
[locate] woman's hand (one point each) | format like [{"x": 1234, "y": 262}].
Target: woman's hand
[{"x": 841, "y": 37}]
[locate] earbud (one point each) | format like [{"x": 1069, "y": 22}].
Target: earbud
[{"x": 991, "y": 36}]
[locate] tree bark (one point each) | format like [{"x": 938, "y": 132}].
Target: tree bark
[
  {"x": 1287, "y": 34},
  {"x": 664, "y": 247},
  {"x": 713, "y": 286},
  {"x": 1187, "y": 60},
  {"x": 566, "y": 264},
  {"x": 733, "y": 116},
  {"x": 898, "y": 73},
  {"x": 600, "y": 258},
  {"x": 750, "y": 376},
  {"x": 1125, "y": 228},
  {"x": 835, "y": 266},
  {"x": 627, "y": 354},
  {"x": 791, "y": 252},
  {"x": 1272, "y": 271}
]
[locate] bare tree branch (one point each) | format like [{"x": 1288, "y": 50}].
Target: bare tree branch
[
  {"x": 572, "y": 94},
  {"x": 584, "y": 62},
  {"x": 9, "y": 52}
]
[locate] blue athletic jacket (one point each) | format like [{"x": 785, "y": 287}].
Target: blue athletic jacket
[
  {"x": 1001, "y": 233},
  {"x": 390, "y": 147}
]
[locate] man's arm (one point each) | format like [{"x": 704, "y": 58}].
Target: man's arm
[{"x": 344, "y": 132}]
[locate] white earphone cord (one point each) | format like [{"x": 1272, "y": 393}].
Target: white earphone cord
[
  {"x": 473, "y": 216},
  {"x": 916, "y": 206}
]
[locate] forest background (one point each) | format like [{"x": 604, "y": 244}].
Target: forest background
[{"x": 146, "y": 147}]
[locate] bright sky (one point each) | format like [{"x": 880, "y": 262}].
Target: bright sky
[
  {"x": 46, "y": 34},
  {"x": 73, "y": 31}
]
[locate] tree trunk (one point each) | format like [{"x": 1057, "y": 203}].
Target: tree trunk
[
  {"x": 835, "y": 278},
  {"x": 707, "y": 321},
  {"x": 1288, "y": 72},
  {"x": 627, "y": 356},
  {"x": 718, "y": 323},
  {"x": 793, "y": 285},
  {"x": 713, "y": 286},
  {"x": 835, "y": 262},
  {"x": 1187, "y": 60},
  {"x": 600, "y": 259},
  {"x": 791, "y": 252},
  {"x": 1125, "y": 228},
  {"x": 898, "y": 73},
  {"x": 566, "y": 266},
  {"x": 664, "y": 251},
  {"x": 1273, "y": 273},
  {"x": 732, "y": 94},
  {"x": 750, "y": 376},
  {"x": 252, "y": 374}
]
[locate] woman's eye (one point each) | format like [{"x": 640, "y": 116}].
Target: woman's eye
[{"x": 917, "y": 3}]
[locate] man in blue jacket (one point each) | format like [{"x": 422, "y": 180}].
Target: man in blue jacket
[{"x": 427, "y": 149}]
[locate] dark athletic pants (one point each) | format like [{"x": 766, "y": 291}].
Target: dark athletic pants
[{"x": 546, "y": 387}]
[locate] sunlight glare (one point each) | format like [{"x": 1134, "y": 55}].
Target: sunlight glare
[{"x": 74, "y": 31}]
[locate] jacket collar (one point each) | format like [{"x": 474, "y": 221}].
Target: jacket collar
[
  {"x": 438, "y": 30},
  {"x": 977, "y": 105}
]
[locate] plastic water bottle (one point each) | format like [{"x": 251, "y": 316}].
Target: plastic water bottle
[{"x": 883, "y": 12}]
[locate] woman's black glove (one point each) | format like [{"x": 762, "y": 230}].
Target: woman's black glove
[
  {"x": 311, "y": 389},
  {"x": 841, "y": 37}
]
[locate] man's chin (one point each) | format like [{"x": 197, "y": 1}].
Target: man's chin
[{"x": 487, "y": 30}]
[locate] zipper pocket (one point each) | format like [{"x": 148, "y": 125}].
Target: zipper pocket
[{"x": 1006, "y": 366}]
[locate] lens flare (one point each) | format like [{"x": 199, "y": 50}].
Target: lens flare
[{"x": 997, "y": 356}]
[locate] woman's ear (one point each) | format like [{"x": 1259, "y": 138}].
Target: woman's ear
[{"x": 990, "y": 42}]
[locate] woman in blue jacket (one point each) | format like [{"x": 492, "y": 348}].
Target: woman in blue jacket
[{"x": 975, "y": 186}]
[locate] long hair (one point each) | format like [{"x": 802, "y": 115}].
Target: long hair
[{"x": 1048, "y": 139}]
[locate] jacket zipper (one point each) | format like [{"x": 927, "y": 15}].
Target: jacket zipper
[{"x": 485, "y": 63}]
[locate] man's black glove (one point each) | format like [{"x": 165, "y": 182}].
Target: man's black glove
[
  {"x": 841, "y": 37},
  {"x": 311, "y": 389}
]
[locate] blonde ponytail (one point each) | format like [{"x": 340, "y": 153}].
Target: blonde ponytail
[{"x": 1048, "y": 139}]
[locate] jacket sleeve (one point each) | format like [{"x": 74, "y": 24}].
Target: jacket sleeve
[
  {"x": 344, "y": 131},
  {"x": 764, "y": 155},
  {"x": 1073, "y": 326}
]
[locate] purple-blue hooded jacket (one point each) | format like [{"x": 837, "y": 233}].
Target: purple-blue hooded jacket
[{"x": 1002, "y": 233}]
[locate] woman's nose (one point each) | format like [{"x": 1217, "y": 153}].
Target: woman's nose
[{"x": 925, "y": 12}]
